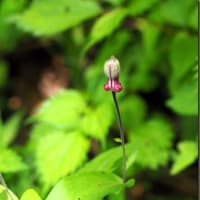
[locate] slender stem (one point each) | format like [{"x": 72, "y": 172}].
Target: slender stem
[
  {"x": 5, "y": 186},
  {"x": 122, "y": 136}
]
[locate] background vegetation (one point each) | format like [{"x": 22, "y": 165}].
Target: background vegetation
[{"x": 48, "y": 132}]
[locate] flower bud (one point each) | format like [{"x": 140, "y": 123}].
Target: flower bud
[{"x": 112, "y": 68}]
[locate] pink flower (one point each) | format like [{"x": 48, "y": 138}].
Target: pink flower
[{"x": 111, "y": 70}]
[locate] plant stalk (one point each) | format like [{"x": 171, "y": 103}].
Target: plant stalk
[
  {"x": 2, "y": 181},
  {"x": 122, "y": 136}
]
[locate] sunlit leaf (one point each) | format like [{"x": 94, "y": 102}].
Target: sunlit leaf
[
  {"x": 10, "y": 128},
  {"x": 30, "y": 194},
  {"x": 49, "y": 17},
  {"x": 60, "y": 154},
  {"x": 188, "y": 153},
  {"x": 62, "y": 110},
  {"x": 95, "y": 123},
  {"x": 90, "y": 186},
  {"x": 10, "y": 161},
  {"x": 102, "y": 163},
  {"x": 5, "y": 196}
]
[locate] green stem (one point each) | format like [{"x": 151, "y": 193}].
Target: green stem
[
  {"x": 122, "y": 136},
  {"x": 5, "y": 186}
]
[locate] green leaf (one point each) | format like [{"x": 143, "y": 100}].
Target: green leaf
[
  {"x": 133, "y": 111},
  {"x": 90, "y": 186},
  {"x": 139, "y": 7},
  {"x": 182, "y": 60},
  {"x": 11, "y": 128},
  {"x": 193, "y": 19},
  {"x": 63, "y": 110},
  {"x": 153, "y": 141},
  {"x": 8, "y": 40},
  {"x": 106, "y": 25},
  {"x": 110, "y": 160},
  {"x": 185, "y": 99},
  {"x": 59, "y": 154},
  {"x": 30, "y": 194},
  {"x": 96, "y": 124},
  {"x": 10, "y": 161},
  {"x": 172, "y": 12},
  {"x": 49, "y": 17},
  {"x": 188, "y": 153},
  {"x": 5, "y": 196}
]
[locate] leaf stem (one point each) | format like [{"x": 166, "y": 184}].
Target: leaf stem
[
  {"x": 122, "y": 136},
  {"x": 2, "y": 181}
]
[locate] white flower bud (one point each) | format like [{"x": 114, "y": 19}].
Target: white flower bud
[{"x": 112, "y": 68}]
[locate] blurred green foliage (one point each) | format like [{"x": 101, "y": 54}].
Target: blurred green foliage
[{"x": 156, "y": 43}]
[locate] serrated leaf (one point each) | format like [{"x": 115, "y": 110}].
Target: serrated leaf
[
  {"x": 153, "y": 141},
  {"x": 5, "y": 196},
  {"x": 188, "y": 153},
  {"x": 62, "y": 110},
  {"x": 90, "y": 186},
  {"x": 49, "y": 17},
  {"x": 62, "y": 152},
  {"x": 11, "y": 128},
  {"x": 30, "y": 194},
  {"x": 10, "y": 161},
  {"x": 95, "y": 123},
  {"x": 105, "y": 25}
]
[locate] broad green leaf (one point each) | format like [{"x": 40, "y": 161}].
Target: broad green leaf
[
  {"x": 88, "y": 186},
  {"x": 5, "y": 196},
  {"x": 10, "y": 128},
  {"x": 30, "y": 194},
  {"x": 110, "y": 160},
  {"x": 10, "y": 161},
  {"x": 106, "y": 25},
  {"x": 139, "y": 7},
  {"x": 187, "y": 154},
  {"x": 182, "y": 60},
  {"x": 59, "y": 154},
  {"x": 96, "y": 124},
  {"x": 62, "y": 110},
  {"x": 49, "y": 17},
  {"x": 153, "y": 141},
  {"x": 185, "y": 99}
]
